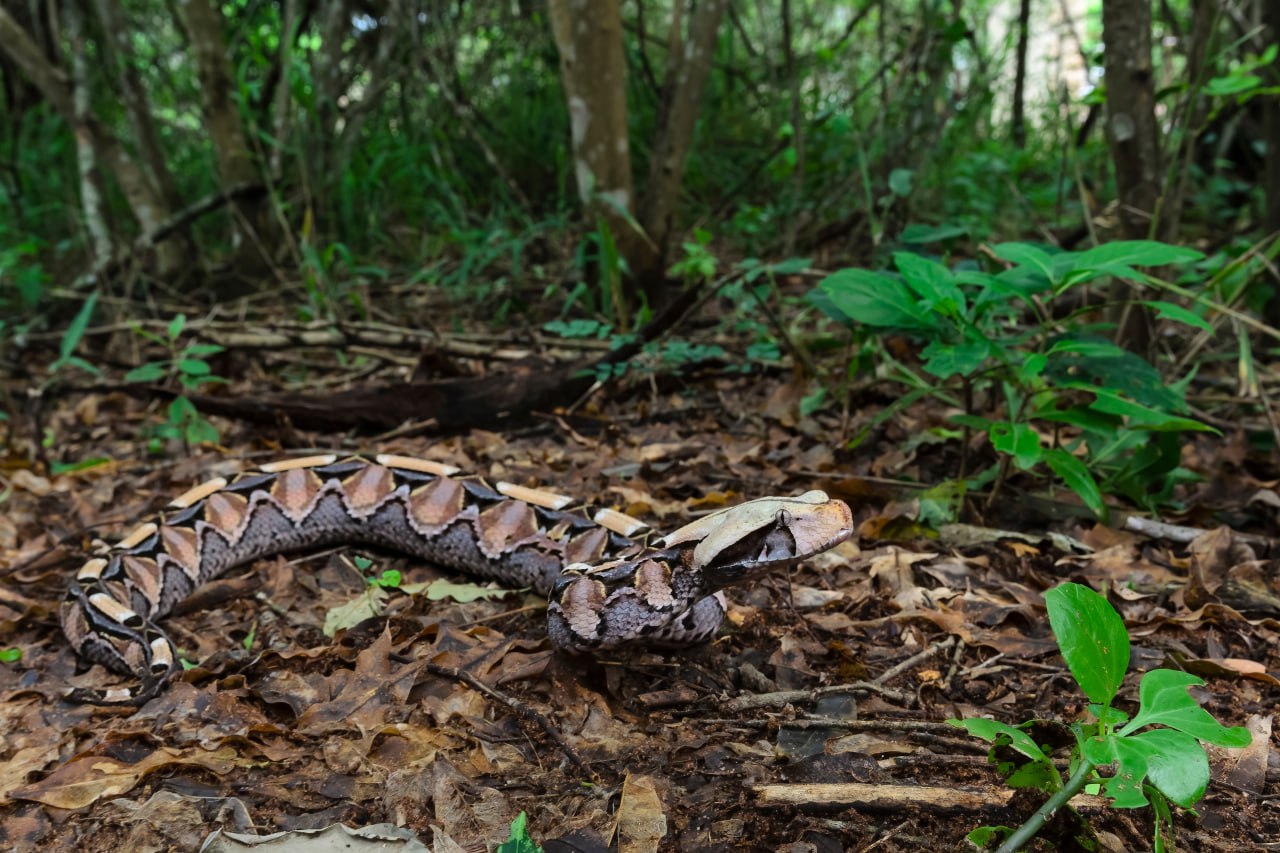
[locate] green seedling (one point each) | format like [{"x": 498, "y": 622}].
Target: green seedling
[
  {"x": 1153, "y": 758},
  {"x": 187, "y": 365},
  {"x": 519, "y": 841}
]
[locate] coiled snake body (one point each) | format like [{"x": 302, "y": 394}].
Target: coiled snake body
[{"x": 610, "y": 580}]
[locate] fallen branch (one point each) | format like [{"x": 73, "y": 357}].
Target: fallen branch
[
  {"x": 451, "y": 404},
  {"x": 862, "y": 795},
  {"x": 1185, "y": 535}
]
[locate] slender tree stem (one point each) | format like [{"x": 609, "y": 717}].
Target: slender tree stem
[{"x": 1023, "y": 834}]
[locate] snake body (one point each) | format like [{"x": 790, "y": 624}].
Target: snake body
[{"x": 610, "y": 579}]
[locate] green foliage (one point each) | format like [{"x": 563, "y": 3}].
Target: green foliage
[
  {"x": 698, "y": 265},
  {"x": 10, "y": 655},
  {"x": 1156, "y": 756},
  {"x": 519, "y": 841},
  {"x": 1097, "y": 417},
  {"x": 71, "y": 339},
  {"x": 332, "y": 278},
  {"x": 186, "y": 364}
]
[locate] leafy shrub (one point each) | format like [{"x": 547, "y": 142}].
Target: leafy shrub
[{"x": 1100, "y": 418}]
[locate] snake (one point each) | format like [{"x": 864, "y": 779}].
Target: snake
[{"x": 610, "y": 580}]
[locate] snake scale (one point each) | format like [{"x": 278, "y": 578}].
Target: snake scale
[{"x": 609, "y": 578}]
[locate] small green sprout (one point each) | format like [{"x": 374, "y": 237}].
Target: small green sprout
[{"x": 1154, "y": 758}]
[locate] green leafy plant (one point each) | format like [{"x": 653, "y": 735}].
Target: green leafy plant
[
  {"x": 67, "y": 358},
  {"x": 699, "y": 263},
  {"x": 519, "y": 841},
  {"x": 186, "y": 363},
  {"x": 1100, "y": 418},
  {"x": 71, "y": 339},
  {"x": 332, "y": 276},
  {"x": 1154, "y": 757},
  {"x": 10, "y": 655}
]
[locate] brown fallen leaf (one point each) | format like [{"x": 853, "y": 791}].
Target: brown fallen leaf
[
  {"x": 91, "y": 776},
  {"x": 641, "y": 820},
  {"x": 1227, "y": 668}
]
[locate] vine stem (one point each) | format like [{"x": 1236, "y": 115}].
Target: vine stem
[{"x": 1023, "y": 834}]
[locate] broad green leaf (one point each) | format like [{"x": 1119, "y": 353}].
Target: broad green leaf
[
  {"x": 812, "y": 402},
  {"x": 875, "y": 299},
  {"x": 998, "y": 733},
  {"x": 947, "y": 360},
  {"x": 200, "y": 350},
  {"x": 1077, "y": 478},
  {"x": 1174, "y": 762},
  {"x": 1164, "y": 699},
  {"x": 1231, "y": 84},
  {"x": 972, "y": 421},
  {"x": 1120, "y": 257},
  {"x": 1090, "y": 348},
  {"x": 150, "y": 372},
  {"x": 932, "y": 282},
  {"x": 790, "y": 266},
  {"x": 176, "y": 325},
  {"x": 1019, "y": 441},
  {"x": 1079, "y": 416},
  {"x": 1109, "y": 402},
  {"x": 1088, "y": 361},
  {"x": 10, "y": 655},
  {"x": 1170, "y": 311},
  {"x": 1030, "y": 368},
  {"x": 390, "y": 579},
  {"x": 200, "y": 431},
  {"x": 1026, "y": 255},
  {"x": 1092, "y": 638},
  {"x": 181, "y": 409},
  {"x": 194, "y": 367},
  {"x": 1033, "y": 774}
]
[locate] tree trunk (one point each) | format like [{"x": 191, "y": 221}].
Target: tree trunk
[
  {"x": 588, "y": 36},
  {"x": 1019, "y": 121},
  {"x": 92, "y": 204},
  {"x": 687, "y": 70},
  {"x": 252, "y": 227},
  {"x": 1133, "y": 138},
  {"x": 52, "y": 83},
  {"x": 174, "y": 253}
]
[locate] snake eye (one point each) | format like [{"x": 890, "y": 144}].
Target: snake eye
[{"x": 783, "y": 518}]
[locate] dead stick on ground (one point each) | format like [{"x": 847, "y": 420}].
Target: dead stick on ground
[
  {"x": 1184, "y": 535},
  {"x": 933, "y": 649},
  {"x": 789, "y": 697},
  {"x": 891, "y": 797}
]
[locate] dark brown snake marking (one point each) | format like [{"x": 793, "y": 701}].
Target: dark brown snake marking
[{"x": 610, "y": 579}]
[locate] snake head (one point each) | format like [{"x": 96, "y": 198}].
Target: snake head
[{"x": 744, "y": 541}]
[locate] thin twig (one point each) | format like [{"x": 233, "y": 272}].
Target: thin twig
[
  {"x": 516, "y": 705},
  {"x": 933, "y": 649}
]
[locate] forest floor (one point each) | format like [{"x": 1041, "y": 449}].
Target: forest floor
[{"x": 816, "y": 721}]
